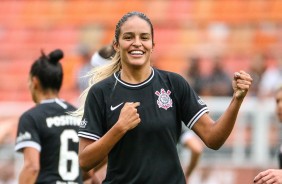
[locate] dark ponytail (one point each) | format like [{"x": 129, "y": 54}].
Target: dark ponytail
[{"x": 49, "y": 70}]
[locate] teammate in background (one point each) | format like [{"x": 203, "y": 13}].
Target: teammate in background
[
  {"x": 103, "y": 56},
  {"x": 133, "y": 113},
  {"x": 191, "y": 142},
  {"x": 85, "y": 54},
  {"x": 273, "y": 176},
  {"x": 99, "y": 58},
  {"x": 47, "y": 135}
]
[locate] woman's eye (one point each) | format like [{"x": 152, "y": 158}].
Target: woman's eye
[
  {"x": 145, "y": 38},
  {"x": 127, "y": 37}
]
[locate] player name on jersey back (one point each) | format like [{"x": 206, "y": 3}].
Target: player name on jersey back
[{"x": 64, "y": 120}]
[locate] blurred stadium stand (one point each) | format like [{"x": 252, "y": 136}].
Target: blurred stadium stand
[
  {"x": 236, "y": 29},
  {"x": 182, "y": 28}
]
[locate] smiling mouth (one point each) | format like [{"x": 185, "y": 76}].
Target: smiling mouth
[{"x": 136, "y": 53}]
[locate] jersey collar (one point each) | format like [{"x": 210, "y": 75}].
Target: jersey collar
[
  {"x": 116, "y": 75},
  {"x": 52, "y": 100}
]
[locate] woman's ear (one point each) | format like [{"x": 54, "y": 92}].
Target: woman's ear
[
  {"x": 116, "y": 46},
  {"x": 35, "y": 88},
  {"x": 153, "y": 47},
  {"x": 35, "y": 83}
]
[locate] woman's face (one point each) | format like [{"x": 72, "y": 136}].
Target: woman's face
[
  {"x": 135, "y": 42},
  {"x": 279, "y": 105}
]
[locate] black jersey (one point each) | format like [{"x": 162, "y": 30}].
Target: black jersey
[
  {"x": 48, "y": 128},
  {"x": 147, "y": 153}
]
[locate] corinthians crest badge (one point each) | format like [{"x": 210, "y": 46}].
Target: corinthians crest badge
[{"x": 164, "y": 101}]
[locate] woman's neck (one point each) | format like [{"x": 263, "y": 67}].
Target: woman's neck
[
  {"x": 135, "y": 76},
  {"x": 47, "y": 95}
]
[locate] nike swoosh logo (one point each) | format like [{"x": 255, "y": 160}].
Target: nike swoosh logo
[{"x": 113, "y": 108}]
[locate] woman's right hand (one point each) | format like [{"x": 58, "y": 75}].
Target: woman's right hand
[{"x": 129, "y": 116}]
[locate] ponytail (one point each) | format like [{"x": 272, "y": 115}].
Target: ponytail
[{"x": 96, "y": 75}]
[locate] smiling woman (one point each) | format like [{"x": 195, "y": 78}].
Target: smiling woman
[
  {"x": 134, "y": 112},
  {"x": 135, "y": 45}
]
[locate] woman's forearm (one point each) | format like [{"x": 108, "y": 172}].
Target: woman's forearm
[
  {"x": 214, "y": 133},
  {"x": 93, "y": 154},
  {"x": 223, "y": 127},
  {"x": 28, "y": 175}
]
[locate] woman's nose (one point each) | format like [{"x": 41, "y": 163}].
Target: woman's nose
[{"x": 137, "y": 42}]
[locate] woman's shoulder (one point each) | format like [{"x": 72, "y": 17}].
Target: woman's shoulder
[
  {"x": 103, "y": 84},
  {"x": 168, "y": 74},
  {"x": 31, "y": 112}
]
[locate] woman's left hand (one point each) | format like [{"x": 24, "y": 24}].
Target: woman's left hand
[{"x": 241, "y": 84}]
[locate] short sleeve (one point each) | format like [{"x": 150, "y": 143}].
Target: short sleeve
[
  {"x": 91, "y": 126},
  {"x": 27, "y": 134},
  {"x": 191, "y": 106}
]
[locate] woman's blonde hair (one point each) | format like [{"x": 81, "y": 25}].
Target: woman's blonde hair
[{"x": 96, "y": 75}]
